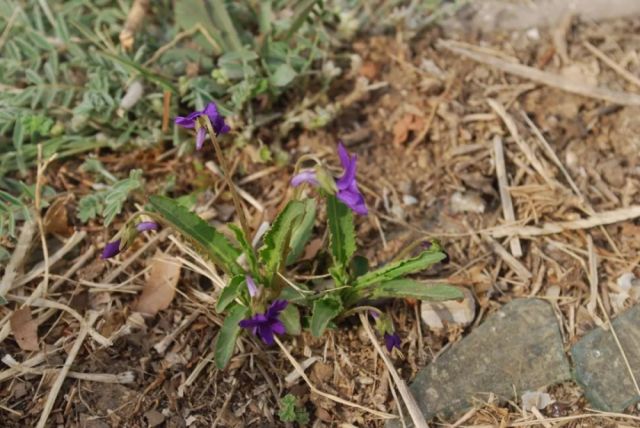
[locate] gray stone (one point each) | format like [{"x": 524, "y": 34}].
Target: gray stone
[
  {"x": 517, "y": 349},
  {"x": 600, "y": 368}
]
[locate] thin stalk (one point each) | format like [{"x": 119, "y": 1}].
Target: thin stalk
[{"x": 224, "y": 166}]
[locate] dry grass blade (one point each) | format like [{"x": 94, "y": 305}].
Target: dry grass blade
[
  {"x": 597, "y": 219},
  {"x": 417, "y": 417},
  {"x": 57, "y": 384},
  {"x": 42, "y": 267},
  {"x": 331, "y": 397},
  {"x": 593, "y": 282},
  {"x": 505, "y": 196},
  {"x": 520, "y": 269},
  {"x": 17, "y": 259},
  {"x": 543, "y": 77},
  {"x": 611, "y": 63}
]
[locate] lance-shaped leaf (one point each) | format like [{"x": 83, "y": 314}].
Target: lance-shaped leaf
[
  {"x": 249, "y": 252},
  {"x": 343, "y": 234},
  {"x": 276, "y": 240},
  {"x": 401, "y": 268},
  {"x": 226, "y": 342},
  {"x": 290, "y": 317},
  {"x": 324, "y": 310},
  {"x": 214, "y": 243},
  {"x": 230, "y": 292},
  {"x": 302, "y": 231},
  {"x": 408, "y": 288}
]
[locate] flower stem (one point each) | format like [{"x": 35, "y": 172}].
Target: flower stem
[{"x": 224, "y": 166}]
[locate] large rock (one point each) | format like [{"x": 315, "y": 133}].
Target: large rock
[
  {"x": 517, "y": 349},
  {"x": 600, "y": 368}
]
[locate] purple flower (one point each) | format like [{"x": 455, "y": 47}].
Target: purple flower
[
  {"x": 391, "y": 341},
  {"x": 348, "y": 191},
  {"x": 111, "y": 249},
  {"x": 251, "y": 286},
  {"x": 191, "y": 121},
  {"x": 308, "y": 176},
  {"x": 267, "y": 324},
  {"x": 144, "y": 226}
]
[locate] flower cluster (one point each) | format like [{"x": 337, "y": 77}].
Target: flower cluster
[{"x": 261, "y": 303}]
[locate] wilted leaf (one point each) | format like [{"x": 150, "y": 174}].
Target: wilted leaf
[
  {"x": 160, "y": 288},
  {"x": 56, "y": 219},
  {"x": 302, "y": 231},
  {"x": 24, "y": 329}
]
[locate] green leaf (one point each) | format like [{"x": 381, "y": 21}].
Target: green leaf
[
  {"x": 343, "y": 234},
  {"x": 324, "y": 310},
  {"x": 214, "y": 243},
  {"x": 302, "y": 231},
  {"x": 226, "y": 342},
  {"x": 276, "y": 240},
  {"x": 249, "y": 252},
  {"x": 290, "y": 317},
  {"x": 230, "y": 293},
  {"x": 408, "y": 288},
  {"x": 283, "y": 75},
  {"x": 401, "y": 268}
]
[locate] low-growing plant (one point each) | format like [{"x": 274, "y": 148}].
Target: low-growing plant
[{"x": 259, "y": 298}]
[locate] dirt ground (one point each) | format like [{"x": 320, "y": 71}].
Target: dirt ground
[{"x": 425, "y": 136}]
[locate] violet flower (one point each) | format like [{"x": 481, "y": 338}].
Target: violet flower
[
  {"x": 308, "y": 176},
  {"x": 144, "y": 226},
  {"x": 348, "y": 192},
  {"x": 191, "y": 121},
  {"x": 391, "y": 341},
  {"x": 111, "y": 249},
  {"x": 251, "y": 286},
  {"x": 266, "y": 325}
]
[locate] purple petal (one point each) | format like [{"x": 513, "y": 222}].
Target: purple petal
[
  {"x": 251, "y": 286},
  {"x": 276, "y": 307},
  {"x": 354, "y": 200},
  {"x": 374, "y": 314},
  {"x": 144, "y": 226},
  {"x": 343, "y": 154},
  {"x": 188, "y": 121},
  {"x": 201, "y": 135},
  {"x": 211, "y": 110},
  {"x": 308, "y": 176},
  {"x": 278, "y": 327},
  {"x": 250, "y": 323},
  {"x": 111, "y": 249},
  {"x": 217, "y": 120},
  {"x": 266, "y": 334},
  {"x": 348, "y": 179},
  {"x": 391, "y": 341}
]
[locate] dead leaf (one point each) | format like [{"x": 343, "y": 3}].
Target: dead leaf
[
  {"x": 369, "y": 70},
  {"x": 56, "y": 219},
  {"x": 402, "y": 128},
  {"x": 25, "y": 329},
  {"x": 160, "y": 288}
]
